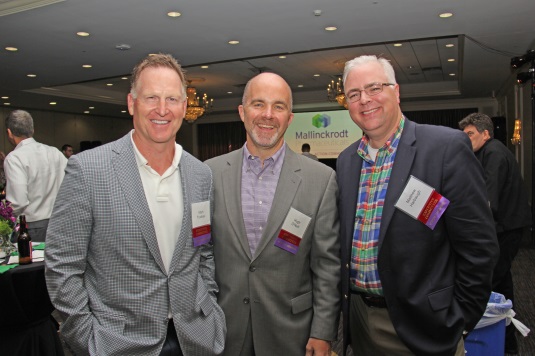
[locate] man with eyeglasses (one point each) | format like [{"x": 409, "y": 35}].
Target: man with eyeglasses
[{"x": 418, "y": 243}]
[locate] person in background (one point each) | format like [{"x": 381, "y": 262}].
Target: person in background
[
  {"x": 508, "y": 201},
  {"x": 275, "y": 231},
  {"x": 129, "y": 263},
  {"x": 34, "y": 172},
  {"x": 305, "y": 151},
  {"x": 67, "y": 150},
  {"x": 417, "y": 239}
]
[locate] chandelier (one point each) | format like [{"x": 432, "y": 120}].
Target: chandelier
[
  {"x": 335, "y": 92},
  {"x": 197, "y": 107}
]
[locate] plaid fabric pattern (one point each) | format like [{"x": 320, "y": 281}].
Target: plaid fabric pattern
[{"x": 374, "y": 177}]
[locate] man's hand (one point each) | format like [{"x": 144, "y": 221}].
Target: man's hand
[{"x": 318, "y": 347}]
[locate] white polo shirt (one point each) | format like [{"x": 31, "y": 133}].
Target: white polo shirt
[{"x": 165, "y": 199}]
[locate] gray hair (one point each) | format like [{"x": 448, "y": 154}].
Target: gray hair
[
  {"x": 361, "y": 60},
  {"x": 480, "y": 121},
  {"x": 248, "y": 85},
  {"x": 20, "y": 123}
]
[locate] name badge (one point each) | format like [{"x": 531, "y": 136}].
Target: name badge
[
  {"x": 292, "y": 231},
  {"x": 422, "y": 202},
  {"x": 200, "y": 222}
]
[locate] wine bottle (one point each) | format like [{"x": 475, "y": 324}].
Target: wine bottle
[{"x": 24, "y": 243}]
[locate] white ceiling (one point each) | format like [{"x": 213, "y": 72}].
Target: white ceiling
[{"x": 486, "y": 34}]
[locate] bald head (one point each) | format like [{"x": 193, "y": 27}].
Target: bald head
[{"x": 262, "y": 79}]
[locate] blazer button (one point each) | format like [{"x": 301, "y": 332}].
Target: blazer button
[
  {"x": 345, "y": 296},
  {"x": 252, "y": 269},
  {"x": 245, "y": 300},
  {"x": 347, "y": 265}
]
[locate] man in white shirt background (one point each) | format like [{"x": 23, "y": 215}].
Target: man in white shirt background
[{"x": 34, "y": 172}]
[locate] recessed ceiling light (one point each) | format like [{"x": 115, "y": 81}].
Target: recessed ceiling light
[
  {"x": 86, "y": 112},
  {"x": 91, "y": 107},
  {"x": 204, "y": 67},
  {"x": 398, "y": 44},
  {"x": 174, "y": 14},
  {"x": 87, "y": 66},
  {"x": 109, "y": 84},
  {"x": 82, "y": 34},
  {"x": 445, "y": 15},
  {"x": 31, "y": 75},
  {"x": 12, "y": 49},
  {"x": 331, "y": 28},
  {"x": 7, "y": 103},
  {"x": 300, "y": 86},
  {"x": 124, "y": 78},
  {"x": 53, "y": 103},
  {"x": 451, "y": 59},
  {"x": 233, "y": 42},
  {"x": 5, "y": 97},
  {"x": 282, "y": 57},
  {"x": 449, "y": 45},
  {"x": 229, "y": 92},
  {"x": 123, "y": 111},
  {"x": 452, "y": 74},
  {"x": 316, "y": 75}
]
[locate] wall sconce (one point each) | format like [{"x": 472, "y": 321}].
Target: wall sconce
[{"x": 515, "y": 140}]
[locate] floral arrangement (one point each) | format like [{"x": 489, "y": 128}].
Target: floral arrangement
[{"x": 7, "y": 225}]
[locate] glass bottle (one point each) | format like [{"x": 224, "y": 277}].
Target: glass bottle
[{"x": 24, "y": 243}]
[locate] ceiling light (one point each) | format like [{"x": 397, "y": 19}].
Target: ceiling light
[
  {"x": 174, "y": 14},
  {"x": 86, "y": 112},
  {"x": 109, "y": 84},
  {"x": 233, "y": 42},
  {"x": 452, "y": 74},
  {"x": 5, "y": 97},
  {"x": 124, "y": 78},
  {"x": 335, "y": 92},
  {"x": 197, "y": 106},
  {"x": 331, "y": 28},
  {"x": 229, "y": 92},
  {"x": 300, "y": 86},
  {"x": 398, "y": 44},
  {"x": 123, "y": 111},
  {"x": 91, "y": 107},
  {"x": 53, "y": 103},
  {"x": 282, "y": 57},
  {"x": 31, "y": 75},
  {"x": 316, "y": 75},
  {"x": 451, "y": 59},
  {"x": 82, "y": 34},
  {"x": 7, "y": 103},
  {"x": 12, "y": 49},
  {"x": 445, "y": 15},
  {"x": 204, "y": 67},
  {"x": 87, "y": 66},
  {"x": 449, "y": 45}
]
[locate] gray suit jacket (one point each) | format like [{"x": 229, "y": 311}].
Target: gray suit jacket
[
  {"x": 289, "y": 297},
  {"x": 104, "y": 270}
]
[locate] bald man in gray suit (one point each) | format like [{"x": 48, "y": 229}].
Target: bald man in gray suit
[{"x": 275, "y": 230}]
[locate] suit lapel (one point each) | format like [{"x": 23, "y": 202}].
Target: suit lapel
[
  {"x": 400, "y": 174},
  {"x": 127, "y": 172},
  {"x": 186, "y": 178},
  {"x": 289, "y": 181},
  {"x": 231, "y": 181}
]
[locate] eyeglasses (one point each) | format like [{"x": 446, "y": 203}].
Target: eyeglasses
[{"x": 370, "y": 90}]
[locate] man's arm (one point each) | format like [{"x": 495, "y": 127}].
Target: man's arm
[
  {"x": 470, "y": 228},
  {"x": 325, "y": 266},
  {"x": 67, "y": 244},
  {"x": 17, "y": 184},
  {"x": 496, "y": 170}
]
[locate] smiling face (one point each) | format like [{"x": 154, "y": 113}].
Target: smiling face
[
  {"x": 158, "y": 108},
  {"x": 378, "y": 115},
  {"x": 266, "y": 113}
]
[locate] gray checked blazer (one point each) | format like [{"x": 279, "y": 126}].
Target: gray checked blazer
[
  {"x": 287, "y": 298},
  {"x": 104, "y": 271}
]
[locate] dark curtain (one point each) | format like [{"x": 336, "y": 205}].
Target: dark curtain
[
  {"x": 448, "y": 117},
  {"x": 217, "y": 139}
]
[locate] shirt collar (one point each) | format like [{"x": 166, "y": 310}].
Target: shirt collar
[
  {"x": 390, "y": 145},
  {"x": 24, "y": 142},
  {"x": 275, "y": 159},
  {"x": 142, "y": 161}
]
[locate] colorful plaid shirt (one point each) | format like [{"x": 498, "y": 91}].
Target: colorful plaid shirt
[{"x": 374, "y": 177}]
